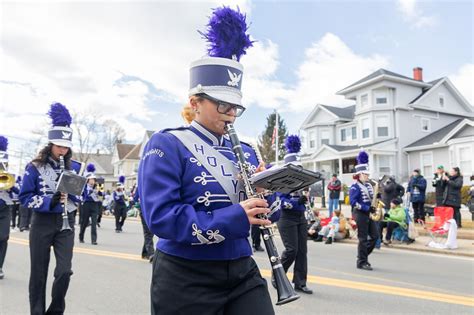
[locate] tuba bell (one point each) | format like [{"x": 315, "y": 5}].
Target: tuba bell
[
  {"x": 376, "y": 203},
  {"x": 7, "y": 180}
]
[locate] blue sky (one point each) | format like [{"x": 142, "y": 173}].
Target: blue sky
[{"x": 129, "y": 61}]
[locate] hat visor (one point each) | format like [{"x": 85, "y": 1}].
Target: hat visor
[
  {"x": 62, "y": 143},
  {"x": 363, "y": 172}
]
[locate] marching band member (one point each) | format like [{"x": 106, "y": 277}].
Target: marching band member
[
  {"x": 6, "y": 202},
  {"x": 38, "y": 192},
  {"x": 120, "y": 206},
  {"x": 293, "y": 226},
  {"x": 90, "y": 205},
  {"x": 15, "y": 208},
  {"x": 360, "y": 196},
  {"x": 192, "y": 199}
]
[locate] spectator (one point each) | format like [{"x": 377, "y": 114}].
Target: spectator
[
  {"x": 391, "y": 190},
  {"x": 315, "y": 226},
  {"x": 439, "y": 185},
  {"x": 452, "y": 193},
  {"x": 395, "y": 217},
  {"x": 335, "y": 230},
  {"x": 417, "y": 190},
  {"x": 334, "y": 188},
  {"x": 471, "y": 199}
]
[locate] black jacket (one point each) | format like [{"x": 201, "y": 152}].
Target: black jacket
[
  {"x": 440, "y": 187},
  {"x": 390, "y": 191},
  {"x": 452, "y": 194}
]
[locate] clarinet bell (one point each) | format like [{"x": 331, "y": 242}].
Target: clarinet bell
[
  {"x": 65, "y": 223},
  {"x": 285, "y": 291}
]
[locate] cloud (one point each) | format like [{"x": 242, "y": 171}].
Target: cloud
[
  {"x": 329, "y": 65},
  {"x": 463, "y": 80},
  {"x": 414, "y": 15}
]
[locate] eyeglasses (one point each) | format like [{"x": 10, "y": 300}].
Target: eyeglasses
[{"x": 225, "y": 107}]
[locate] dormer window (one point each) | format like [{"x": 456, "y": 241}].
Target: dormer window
[{"x": 364, "y": 100}]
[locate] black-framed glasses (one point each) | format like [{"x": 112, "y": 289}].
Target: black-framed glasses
[{"x": 225, "y": 107}]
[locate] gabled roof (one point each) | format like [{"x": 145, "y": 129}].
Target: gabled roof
[
  {"x": 382, "y": 73},
  {"x": 123, "y": 149},
  {"x": 342, "y": 112},
  {"x": 134, "y": 153},
  {"x": 426, "y": 89},
  {"x": 435, "y": 136},
  {"x": 102, "y": 161}
]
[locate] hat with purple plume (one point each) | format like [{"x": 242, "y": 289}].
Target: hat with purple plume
[
  {"x": 362, "y": 163},
  {"x": 90, "y": 171},
  {"x": 220, "y": 74},
  {"x": 61, "y": 131},
  {"x": 293, "y": 147},
  {"x": 121, "y": 182}
]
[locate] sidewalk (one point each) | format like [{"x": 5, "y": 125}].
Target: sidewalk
[{"x": 465, "y": 238}]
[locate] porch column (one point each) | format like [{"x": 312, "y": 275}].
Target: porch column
[{"x": 340, "y": 167}]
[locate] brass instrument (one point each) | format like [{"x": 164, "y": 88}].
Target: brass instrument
[
  {"x": 285, "y": 291},
  {"x": 7, "y": 180},
  {"x": 376, "y": 203}
]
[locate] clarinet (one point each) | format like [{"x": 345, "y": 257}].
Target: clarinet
[
  {"x": 285, "y": 290},
  {"x": 65, "y": 226}
]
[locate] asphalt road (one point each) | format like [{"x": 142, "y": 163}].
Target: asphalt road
[{"x": 111, "y": 278}]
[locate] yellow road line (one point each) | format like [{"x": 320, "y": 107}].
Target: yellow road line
[{"x": 348, "y": 284}]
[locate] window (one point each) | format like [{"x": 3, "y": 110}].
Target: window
[
  {"x": 465, "y": 160},
  {"x": 324, "y": 137},
  {"x": 348, "y": 165},
  {"x": 441, "y": 100},
  {"x": 384, "y": 164},
  {"x": 312, "y": 140},
  {"x": 343, "y": 135},
  {"x": 382, "y": 126},
  {"x": 380, "y": 97},
  {"x": 354, "y": 133},
  {"x": 425, "y": 124},
  {"x": 365, "y": 128},
  {"x": 364, "y": 100},
  {"x": 426, "y": 162}
]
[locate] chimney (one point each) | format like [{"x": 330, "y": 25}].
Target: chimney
[{"x": 418, "y": 74}]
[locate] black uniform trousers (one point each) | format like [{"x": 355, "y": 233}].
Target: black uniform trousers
[
  {"x": 148, "y": 249},
  {"x": 4, "y": 232},
  {"x": 418, "y": 211},
  {"x": 120, "y": 213},
  {"x": 293, "y": 231},
  {"x": 367, "y": 233},
  {"x": 89, "y": 209},
  {"x": 182, "y": 286},
  {"x": 46, "y": 232},
  {"x": 25, "y": 217},
  {"x": 256, "y": 236},
  {"x": 15, "y": 212}
]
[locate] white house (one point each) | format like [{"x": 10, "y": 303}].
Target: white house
[{"x": 390, "y": 113}]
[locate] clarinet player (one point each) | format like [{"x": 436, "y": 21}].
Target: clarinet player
[
  {"x": 192, "y": 199},
  {"x": 38, "y": 193}
]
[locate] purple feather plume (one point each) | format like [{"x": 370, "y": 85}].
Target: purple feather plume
[
  {"x": 60, "y": 115},
  {"x": 122, "y": 179},
  {"x": 3, "y": 143},
  {"x": 90, "y": 168},
  {"x": 362, "y": 158},
  {"x": 293, "y": 144},
  {"x": 226, "y": 33}
]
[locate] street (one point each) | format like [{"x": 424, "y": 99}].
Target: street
[{"x": 111, "y": 278}]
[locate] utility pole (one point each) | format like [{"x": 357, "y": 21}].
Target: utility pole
[{"x": 276, "y": 137}]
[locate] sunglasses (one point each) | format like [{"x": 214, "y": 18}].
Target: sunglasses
[{"x": 225, "y": 107}]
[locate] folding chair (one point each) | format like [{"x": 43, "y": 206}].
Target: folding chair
[{"x": 435, "y": 228}]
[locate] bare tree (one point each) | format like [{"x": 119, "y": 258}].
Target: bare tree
[
  {"x": 87, "y": 130},
  {"x": 112, "y": 134}
]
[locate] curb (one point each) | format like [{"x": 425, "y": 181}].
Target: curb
[{"x": 425, "y": 249}]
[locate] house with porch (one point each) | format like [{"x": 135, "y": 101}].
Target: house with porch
[{"x": 390, "y": 112}]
